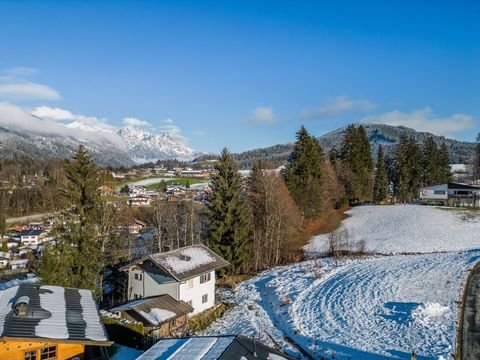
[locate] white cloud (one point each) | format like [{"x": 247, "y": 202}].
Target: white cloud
[
  {"x": 27, "y": 91},
  {"x": 263, "y": 115},
  {"x": 173, "y": 131},
  {"x": 21, "y": 71},
  {"x": 131, "y": 121},
  {"x": 168, "y": 121},
  {"x": 424, "y": 120},
  {"x": 53, "y": 113},
  {"x": 338, "y": 106}
]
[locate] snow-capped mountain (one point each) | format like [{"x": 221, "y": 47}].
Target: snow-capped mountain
[
  {"x": 143, "y": 146},
  {"x": 37, "y": 135}
]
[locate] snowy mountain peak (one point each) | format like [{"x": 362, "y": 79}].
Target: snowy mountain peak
[{"x": 144, "y": 146}]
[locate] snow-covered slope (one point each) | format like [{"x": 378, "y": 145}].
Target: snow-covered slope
[
  {"x": 374, "y": 307},
  {"x": 408, "y": 228},
  {"x": 143, "y": 146}
]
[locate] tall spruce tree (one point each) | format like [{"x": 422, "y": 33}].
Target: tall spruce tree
[
  {"x": 444, "y": 169},
  {"x": 409, "y": 170},
  {"x": 75, "y": 258},
  {"x": 357, "y": 156},
  {"x": 229, "y": 231},
  {"x": 303, "y": 175},
  {"x": 431, "y": 162},
  {"x": 476, "y": 160},
  {"x": 380, "y": 186}
]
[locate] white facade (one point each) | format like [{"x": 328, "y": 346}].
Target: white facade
[
  {"x": 18, "y": 264},
  {"x": 30, "y": 239},
  {"x": 199, "y": 292}
]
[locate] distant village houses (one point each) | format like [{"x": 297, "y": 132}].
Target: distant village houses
[{"x": 451, "y": 194}]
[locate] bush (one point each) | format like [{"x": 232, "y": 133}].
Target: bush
[{"x": 203, "y": 320}]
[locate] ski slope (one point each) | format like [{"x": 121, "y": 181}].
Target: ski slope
[
  {"x": 407, "y": 229},
  {"x": 375, "y": 307}
]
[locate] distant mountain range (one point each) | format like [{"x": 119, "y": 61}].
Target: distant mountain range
[
  {"x": 43, "y": 139},
  {"x": 130, "y": 146},
  {"x": 386, "y": 135}
]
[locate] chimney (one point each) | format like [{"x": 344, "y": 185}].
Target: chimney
[{"x": 21, "y": 306}]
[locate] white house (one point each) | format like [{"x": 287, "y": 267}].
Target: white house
[
  {"x": 4, "y": 258},
  {"x": 139, "y": 200},
  {"x": 30, "y": 237},
  {"x": 186, "y": 274},
  {"x": 451, "y": 194},
  {"x": 18, "y": 264}
]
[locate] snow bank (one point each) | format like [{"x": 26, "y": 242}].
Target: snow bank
[{"x": 407, "y": 228}]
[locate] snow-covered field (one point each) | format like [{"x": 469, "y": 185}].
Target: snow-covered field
[
  {"x": 408, "y": 228},
  {"x": 377, "y": 307}
]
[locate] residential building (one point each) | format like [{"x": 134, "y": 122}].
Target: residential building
[
  {"x": 18, "y": 264},
  {"x": 139, "y": 200},
  {"x": 161, "y": 316},
  {"x": 228, "y": 347},
  {"x": 30, "y": 236},
  {"x": 4, "y": 259},
  {"x": 451, "y": 194},
  {"x": 186, "y": 274},
  {"x": 48, "y": 322}
]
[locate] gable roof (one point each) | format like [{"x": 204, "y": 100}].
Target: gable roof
[
  {"x": 51, "y": 312},
  {"x": 186, "y": 262},
  {"x": 211, "y": 348},
  {"x": 155, "y": 311}
]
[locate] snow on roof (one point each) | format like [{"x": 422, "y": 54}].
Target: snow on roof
[
  {"x": 182, "y": 349},
  {"x": 94, "y": 329},
  {"x": 19, "y": 262},
  {"x": 5, "y": 255},
  {"x": 6, "y": 302},
  {"x": 158, "y": 316},
  {"x": 53, "y": 312},
  {"x": 187, "y": 259},
  {"x": 53, "y": 301}
]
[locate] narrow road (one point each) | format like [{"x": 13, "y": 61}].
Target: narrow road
[{"x": 470, "y": 331}]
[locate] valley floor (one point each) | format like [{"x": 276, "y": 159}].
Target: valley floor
[{"x": 376, "y": 307}]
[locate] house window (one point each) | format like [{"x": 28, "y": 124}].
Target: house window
[
  {"x": 205, "y": 278},
  {"x": 138, "y": 276},
  {"x": 48, "y": 353},
  {"x": 439, "y": 192},
  {"x": 31, "y": 355},
  {"x": 137, "y": 296},
  {"x": 204, "y": 298}
]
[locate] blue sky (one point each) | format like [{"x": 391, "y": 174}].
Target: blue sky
[{"x": 246, "y": 74}]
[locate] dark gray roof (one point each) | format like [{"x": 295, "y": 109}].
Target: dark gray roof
[
  {"x": 233, "y": 347},
  {"x": 186, "y": 262},
  {"x": 51, "y": 312},
  {"x": 462, "y": 186},
  {"x": 138, "y": 308},
  {"x": 30, "y": 232}
]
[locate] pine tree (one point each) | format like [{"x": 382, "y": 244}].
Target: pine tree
[
  {"x": 75, "y": 258},
  {"x": 229, "y": 232},
  {"x": 476, "y": 160},
  {"x": 303, "y": 175},
  {"x": 357, "y": 157},
  {"x": 409, "y": 171},
  {"x": 431, "y": 162},
  {"x": 444, "y": 170},
  {"x": 3, "y": 222},
  {"x": 381, "y": 178}
]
